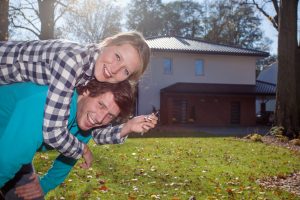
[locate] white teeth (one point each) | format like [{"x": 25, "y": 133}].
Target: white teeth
[{"x": 91, "y": 120}]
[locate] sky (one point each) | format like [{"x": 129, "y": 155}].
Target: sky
[{"x": 272, "y": 33}]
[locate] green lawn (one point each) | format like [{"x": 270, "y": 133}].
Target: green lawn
[{"x": 177, "y": 168}]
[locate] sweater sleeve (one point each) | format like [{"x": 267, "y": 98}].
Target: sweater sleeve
[
  {"x": 108, "y": 135},
  {"x": 57, "y": 109},
  {"x": 60, "y": 169}
]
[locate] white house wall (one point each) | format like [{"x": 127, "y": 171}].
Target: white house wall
[{"x": 217, "y": 69}]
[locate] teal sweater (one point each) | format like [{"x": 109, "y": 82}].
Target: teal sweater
[{"x": 21, "y": 118}]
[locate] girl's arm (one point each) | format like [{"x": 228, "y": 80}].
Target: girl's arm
[
  {"x": 61, "y": 88},
  {"x": 118, "y": 134}
]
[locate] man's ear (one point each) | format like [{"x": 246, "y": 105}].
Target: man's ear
[{"x": 86, "y": 93}]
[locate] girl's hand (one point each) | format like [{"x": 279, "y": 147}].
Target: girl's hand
[{"x": 139, "y": 124}]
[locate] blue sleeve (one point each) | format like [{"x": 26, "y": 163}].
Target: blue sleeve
[{"x": 60, "y": 168}]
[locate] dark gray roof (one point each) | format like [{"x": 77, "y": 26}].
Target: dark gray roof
[
  {"x": 261, "y": 88},
  {"x": 186, "y": 45},
  {"x": 269, "y": 74},
  {"x": 265, "y": 87}
]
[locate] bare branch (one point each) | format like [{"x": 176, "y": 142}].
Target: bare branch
[
  {"x": 273, "y": 20},
  {"x": 276, "y": 7},
  {"x": 67, "y": 8},
  {"x": 24, "y": 27},
  {"x": 59, "y": 16},
  {"x": 31, "y": 4},
  {"x": 21, "y": 13},
  {"x": 58, "y": 2}
]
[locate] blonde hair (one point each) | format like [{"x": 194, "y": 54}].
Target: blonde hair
[{"x": 138, "y": 42}]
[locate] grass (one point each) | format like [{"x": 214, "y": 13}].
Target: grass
[{"x": 177, "y": 169}]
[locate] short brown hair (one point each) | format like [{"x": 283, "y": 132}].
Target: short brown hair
[
  {"x": 138, "y": 42},
  {"x": 124, "y": 94}
]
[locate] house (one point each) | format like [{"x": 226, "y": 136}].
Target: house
[
  {"x": 265, "y": 105},
  {"x": 195, "y": 82}
]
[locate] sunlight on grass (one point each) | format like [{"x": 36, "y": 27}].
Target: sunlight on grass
[{"x": 177, "y": 168}]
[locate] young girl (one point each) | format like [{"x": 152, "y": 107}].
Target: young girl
[{"x": 64, "y": 65}]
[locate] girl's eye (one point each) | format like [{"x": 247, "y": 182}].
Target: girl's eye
[{"x": 126, "y": 72}]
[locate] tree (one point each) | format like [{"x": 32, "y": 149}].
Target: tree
[
  {"x": 287, "y": 113},
  {"x": 288, "y": 84},
  {"x": 235, "y": 24},
  {"x": 145, "y": 16},
  {"x": 91, "y": 21},
  {"x": 183, "y": 18},
  {"x": 4, "y": 19},
  {"x": 46, "y": 15},
  {"x": 38, "y": 17}
]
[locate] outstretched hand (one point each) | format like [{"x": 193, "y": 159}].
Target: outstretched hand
[
  {"x": 139, "y": 124},
  {"x": 88, "y": 158},
  {"x": 30, "y": 190}
]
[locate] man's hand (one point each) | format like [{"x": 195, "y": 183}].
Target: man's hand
[
  {"x": 30, "y": 190},
  {"x": 88, "y": 158}
]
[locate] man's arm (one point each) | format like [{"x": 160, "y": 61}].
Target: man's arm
[
  {"x": 58, "y": 172},
  {"x": 61, "y": 167}
]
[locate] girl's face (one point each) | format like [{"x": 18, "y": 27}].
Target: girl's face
[{"x": 117, "y": 63}]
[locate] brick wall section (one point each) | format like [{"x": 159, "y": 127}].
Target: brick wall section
[{"x": 206, "y": 110}]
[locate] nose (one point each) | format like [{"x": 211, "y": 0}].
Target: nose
[
  {"x": 100, "y": 117},
  {"x": 116, "y": 67}
]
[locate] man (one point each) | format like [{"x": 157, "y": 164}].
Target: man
[{"x": 21, "y": 108}]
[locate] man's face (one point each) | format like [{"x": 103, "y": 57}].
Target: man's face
[{"x": 96, "y": 111}]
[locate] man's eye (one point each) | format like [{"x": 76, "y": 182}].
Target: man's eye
[
  {"x": 118, "y": 57},
  {"x": 110, "y": 116},
  {"x": 101, "y": 105}
]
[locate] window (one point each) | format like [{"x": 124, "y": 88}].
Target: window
[
  {"x": 199, "y": 71},
  {"x": 167, "y": 66},
  {"x": 235, "y": 113}
]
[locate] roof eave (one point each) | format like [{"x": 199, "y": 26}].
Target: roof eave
[
  {"x": 210, "y": 52},
  {"x": 218, "y": 93}
]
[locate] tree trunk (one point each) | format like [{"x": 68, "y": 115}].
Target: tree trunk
[
  {"x": 297, "y": 76},
  {"x": 288, "y": 89},
  {"x": 46, "y": 15},
  {"x": 4, "y": 20}
]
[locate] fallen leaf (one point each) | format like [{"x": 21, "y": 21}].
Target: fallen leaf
[{"x": 103, "y": 188}]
